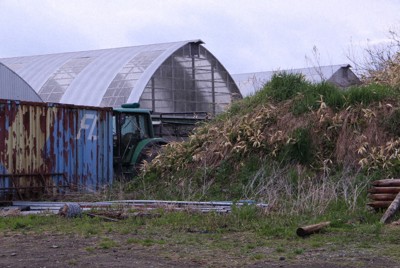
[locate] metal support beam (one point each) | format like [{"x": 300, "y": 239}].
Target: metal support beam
[
  {"x": 213, "y": 89},
  {"x": 193, "y": 93},
  {"x": 153, "y": 95}
]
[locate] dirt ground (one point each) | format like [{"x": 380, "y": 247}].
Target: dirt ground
[
  {"x": 72, "y": 251},
  {"x": 28, "y": 250}
]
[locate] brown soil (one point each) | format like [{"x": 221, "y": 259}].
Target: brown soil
[
  {"x": 73, "y": 251},
  {"x": 28, "y": 250}
]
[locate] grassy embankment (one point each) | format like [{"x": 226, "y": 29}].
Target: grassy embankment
[
  {"x": 300, "y": 147},
  {"x": 309, "y": 151}
]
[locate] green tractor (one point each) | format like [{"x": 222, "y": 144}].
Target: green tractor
[{"x": 134, "y": 141}]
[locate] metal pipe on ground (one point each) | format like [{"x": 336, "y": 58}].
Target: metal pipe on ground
[{"x": 203, "y": 206}]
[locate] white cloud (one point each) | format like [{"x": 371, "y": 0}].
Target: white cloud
[{"x": 245, "y": 35}]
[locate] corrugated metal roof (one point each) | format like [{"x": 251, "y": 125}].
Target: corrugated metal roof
[
  {"x": 83, "y": 77},
  {"x": 14, "y": 87},
  {"x": 249, "y": 83}
]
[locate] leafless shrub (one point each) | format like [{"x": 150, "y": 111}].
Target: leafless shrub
[
  {"x": 304, "y": 194},
  {"x": 379, "y": 63},
  {"x": 315, "y": 62}
]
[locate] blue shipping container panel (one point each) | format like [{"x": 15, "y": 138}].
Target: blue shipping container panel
[{"x": 53, "y": 149}]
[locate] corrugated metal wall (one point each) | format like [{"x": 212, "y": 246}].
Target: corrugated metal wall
[{"x": 53, "y": 148}]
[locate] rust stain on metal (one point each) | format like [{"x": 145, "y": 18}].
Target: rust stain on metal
[{"x": 50, "y": 139}]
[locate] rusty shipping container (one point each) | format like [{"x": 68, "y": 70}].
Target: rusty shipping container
[{"x": 53, "y": 149}]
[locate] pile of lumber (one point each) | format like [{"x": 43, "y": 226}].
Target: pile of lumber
[{"x": 383, "y": 192}]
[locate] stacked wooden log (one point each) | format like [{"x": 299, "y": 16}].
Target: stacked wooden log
[{"x": 383, "y": 192}]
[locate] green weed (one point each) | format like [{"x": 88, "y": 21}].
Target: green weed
[
  {"x": 90, "y": 249},
  {"x": 284, "y": 86},
  {"x": 392, "y": 124},
  {"x": 300, "y": 149},
  {"x": 107, "y": 243},
  {"x": 147, "y": 242},
  {"x": 280, "y": 249},
  {"x": 258, "y": 256},
  {"x": 298, "y": 251},
  {"x": 368, "y": 94}
]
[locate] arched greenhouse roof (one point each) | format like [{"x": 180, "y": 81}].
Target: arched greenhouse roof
[
  {"x": 13, "y": 87},
  {"x": 339, "y": 75},
  {"x": 169, "y": 77}
]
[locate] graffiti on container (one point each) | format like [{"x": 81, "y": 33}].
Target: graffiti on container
[{"x": 88, "y": 121}]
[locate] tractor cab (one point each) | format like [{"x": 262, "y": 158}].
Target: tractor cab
[{"x": 134, "y": 140}]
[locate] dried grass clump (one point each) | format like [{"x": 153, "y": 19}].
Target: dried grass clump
[
  {"x": 335, "y": 131},
  {"x": 292, "y": 190},
  {"x": 359, "y": 126},
  {"x": 336, "y": 137},
  {"x": 384, "y": 157},
  {"x": 212, "y": 143}
]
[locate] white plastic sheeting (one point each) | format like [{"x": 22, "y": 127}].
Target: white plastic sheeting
[{"x": 178, "y": 77}]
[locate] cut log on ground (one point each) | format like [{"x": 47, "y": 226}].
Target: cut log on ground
[
  {"x": 384, "y": 190},
  {"x": 387, "y": 183},
  {"x": 392, "y": 209},
  {"x": 382, "y": 197},
  {"x": 311, "y": 229},
  {"x": 379, "y": 204}
]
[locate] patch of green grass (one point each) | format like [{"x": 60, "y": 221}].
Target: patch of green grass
[
  {"x": 90, "y": 249},
  {"x": 316, "y": 96},
  {"x": 107, "y": 243},
  {"x": 392, "y": 124},
  {"x": 307, "y": 97},
  {"x": 27, "y": 223},
  {"x": 245, "y": 232},
  {"x": 298, "y": 251},
  {"x": 368, "y": 94},
  {"x": 332, "y": 96},
  {"x": 300, "y": 150},
  {"x": 284, "y": 86},
  {"x": 250, "y": 246},
  {"x": 20, "y": 225},
  {"x": 365, "y": 244},
  {"x": 316, "y": 244},
  {"x": 147, "y": 242},
  {"x": 258, "y": 256},
  {"x": 133, "y": 240},
  {"x": 280, "y": 249}
]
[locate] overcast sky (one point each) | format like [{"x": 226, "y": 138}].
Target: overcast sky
[{"x": 245, "y": 35}]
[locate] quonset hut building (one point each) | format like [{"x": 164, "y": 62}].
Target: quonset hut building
[
  {"x": 60, "y": 147},
  {"x": 13, "y": 87},
  {"x": 165, "y": 78},
  {"x": 339, "y": 75}
]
